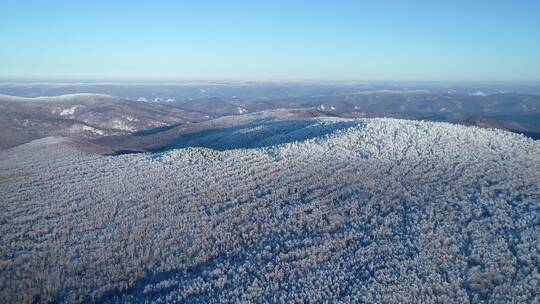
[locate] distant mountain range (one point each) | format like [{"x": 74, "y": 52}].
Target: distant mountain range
[
  {"x": 81, "y": 116},
  {"x": 90, "y": 116}
]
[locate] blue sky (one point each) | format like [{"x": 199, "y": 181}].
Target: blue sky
[{"x": 325, "y": 40}]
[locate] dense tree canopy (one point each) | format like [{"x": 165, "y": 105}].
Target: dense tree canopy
[{"x": 381, "y": 211}]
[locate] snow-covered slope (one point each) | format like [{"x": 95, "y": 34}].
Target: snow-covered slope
[
  {"x": 80, "y": 116},
  {"x": 378, "y": 210}
]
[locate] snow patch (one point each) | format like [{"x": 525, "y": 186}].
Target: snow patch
[
  {"x": 93, "y": 130},
  {"x": 478, "y": 93},
  {"x": 68, "y": 111},
  {"x": 121, "y": 125}
]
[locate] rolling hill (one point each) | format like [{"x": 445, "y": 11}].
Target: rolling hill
[
  {"x": 81, "y": 116},
  {"x": 275, "y": 207},
  {"x": 94, "y": 116}
]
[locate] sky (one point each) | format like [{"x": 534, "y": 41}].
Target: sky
[{"x": 458, "y": 40}]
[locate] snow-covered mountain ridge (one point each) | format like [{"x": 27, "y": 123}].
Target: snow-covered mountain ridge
[
  {"x": 78, "y": 97},
  {"x": 79, "y": 116},
  {"x": 372, "y": 210}
]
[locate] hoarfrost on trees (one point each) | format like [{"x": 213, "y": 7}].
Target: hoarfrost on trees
[{"x": 378, "y": 210}]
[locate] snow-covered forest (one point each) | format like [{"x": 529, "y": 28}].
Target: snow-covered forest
[{"x": 374, "y": 210}]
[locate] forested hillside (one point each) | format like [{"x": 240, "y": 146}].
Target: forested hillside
[{"x": 373, "y": 210}]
